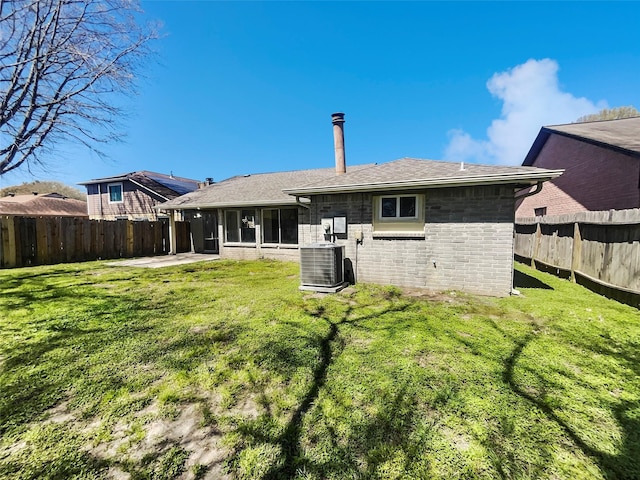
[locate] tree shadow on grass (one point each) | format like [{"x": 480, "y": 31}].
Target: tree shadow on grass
[
  {"x": 288, "y": 441},
  {"x": 86, "y": 342},
  {"x": 625, "y": 464}
]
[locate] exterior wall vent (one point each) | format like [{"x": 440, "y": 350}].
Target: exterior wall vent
[{"x": 322, "y": 267}]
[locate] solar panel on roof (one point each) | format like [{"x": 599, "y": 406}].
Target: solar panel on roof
[{"x": 175, "y": 184}]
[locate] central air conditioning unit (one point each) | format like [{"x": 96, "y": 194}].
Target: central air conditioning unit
[{"x": 322, "y": 267}]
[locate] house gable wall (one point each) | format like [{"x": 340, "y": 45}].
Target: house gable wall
[
  {"x": 136, "y": 203},
  {"x": 467, "y": 243},
  {"x": 595, "y": 178}
]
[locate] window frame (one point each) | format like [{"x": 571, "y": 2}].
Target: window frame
[
  {"x": 117, "y": 184},
  {"x": 397, "y": 217},
  {"x": 263, "y": 226},
  {"x": 405, "y": 225},
  {"x": 540, "y": 211},
  {"x": 238, "y": 214}
]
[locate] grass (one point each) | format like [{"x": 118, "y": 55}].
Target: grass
[{"x": 225, "y": 369}]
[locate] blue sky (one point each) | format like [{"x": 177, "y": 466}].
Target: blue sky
[{"x": 242, "y": 88}]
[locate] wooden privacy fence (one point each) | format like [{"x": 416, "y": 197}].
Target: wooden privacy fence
[
  {"x": 600, "y": 250},
  {"x": 28, "y": 241}
]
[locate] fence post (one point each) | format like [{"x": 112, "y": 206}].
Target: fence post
[
  {"x": 9, "y": 241},
  {"x": 173, "y": 247},
  {"x": 129, "y": 237},
  {"x": 41, "y": 241},
  {"x": 576, "y": 251},
  {"x": 536, "y": 244}
]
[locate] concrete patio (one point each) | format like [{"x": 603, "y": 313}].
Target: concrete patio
[{"x": 165, "y": 260}]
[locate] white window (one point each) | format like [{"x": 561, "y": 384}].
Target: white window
[
  {"x": 280, "y": 225},
  {"x": 114, "y": 191},
  {"x": 398, "y": 213},
  {"x": 399, "y": 207},
  {"x": 240, "y": 226}
]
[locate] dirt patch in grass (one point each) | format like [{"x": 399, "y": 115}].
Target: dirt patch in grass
[
  {"x": 146, "y": 436},
  {"x": 199, "y": 329},
  {"x": 427, "y": 360},
  {"x": 60, "y": 413},
  {"x": 156, "y": 436},
  {"x": 432, "y": 295},
  {"x": 457, "y": 440}
]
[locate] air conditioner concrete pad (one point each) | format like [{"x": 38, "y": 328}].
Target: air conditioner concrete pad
[{"x": 315, "y": 288}]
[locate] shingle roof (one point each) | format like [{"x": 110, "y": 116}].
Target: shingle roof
[
  {"x": 622, "y": 135},
  {"x": 51, "y": 205},
  {"x": 252, "y": 190},
  {"x": 278, "y": 188},
  {"x": 413, "y": 173},
  {"x": 167, "y": 186}
]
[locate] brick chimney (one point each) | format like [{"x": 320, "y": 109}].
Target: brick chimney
[{"x": 338, "y": 142}]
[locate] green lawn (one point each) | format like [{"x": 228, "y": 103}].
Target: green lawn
[{"x": 225, "y": 370}]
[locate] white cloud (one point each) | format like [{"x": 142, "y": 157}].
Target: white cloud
[{"x": 531, "y": 99}]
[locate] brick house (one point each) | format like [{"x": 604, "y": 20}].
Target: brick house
[
  {"x": 409, "y": 222},
  {"x": 601, "y": 161},
  {"x": 133, "y": 196}
]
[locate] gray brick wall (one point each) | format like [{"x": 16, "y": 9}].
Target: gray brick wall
[{"x": 467, "y": 243}]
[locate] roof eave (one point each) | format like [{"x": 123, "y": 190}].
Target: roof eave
[
  {"x": 203, "y": 206},
  {"x": 592, "y": 141},
  {"x": 499, "y": 179},
  {"x": 536, "y": 147},
  {"x": 103, "y": 180}
]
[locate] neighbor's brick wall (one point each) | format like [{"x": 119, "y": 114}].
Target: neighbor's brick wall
[
  {"x": 595, "y": 178},
  {"x": 468, "y": 232}
]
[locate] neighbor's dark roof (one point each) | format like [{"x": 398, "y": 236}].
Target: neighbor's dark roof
[
  {"x": 621, "y": 135},
  {"x": 279, "y": 188},
  {"x": 260, "y": 189},
  {"x": 167, "y": 186},
  {"x": 413, "y": 173},
  {"x": 52, "y": 204}
]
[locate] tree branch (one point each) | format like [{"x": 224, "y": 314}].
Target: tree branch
[{"x": 62, "y": 63}]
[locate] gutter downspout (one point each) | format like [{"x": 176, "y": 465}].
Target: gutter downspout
[
  {"x": 537, "y": 190},
  {"x": 305, "y": 205},
  {"x": 308, "y": 207}
]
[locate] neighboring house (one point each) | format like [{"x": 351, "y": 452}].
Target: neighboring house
[
  {"x": 409, "y": 222},
  {"x": 134, "y": 195},
  {"x": 601, "y": 162},
  {"x": 50, "y": 204}
]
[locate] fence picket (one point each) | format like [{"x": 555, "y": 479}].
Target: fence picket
[
  {"x": 49, "y": 240},
  {"x": 602, "y": 247}
]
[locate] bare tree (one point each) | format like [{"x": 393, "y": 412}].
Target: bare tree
[
  {"x": 63, "y": 64},
  {"x": 610, "y": 114}
]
